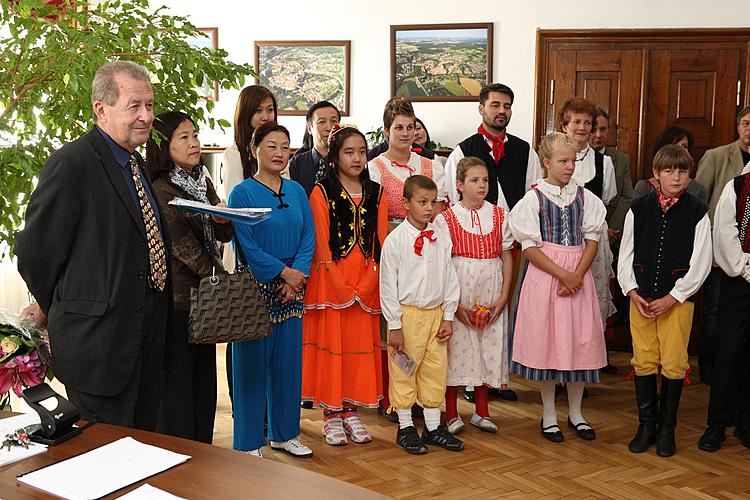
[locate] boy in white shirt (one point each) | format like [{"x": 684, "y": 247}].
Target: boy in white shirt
[
  {"x": 419, "y": 295},
  {"x": 665, "y": 256}
]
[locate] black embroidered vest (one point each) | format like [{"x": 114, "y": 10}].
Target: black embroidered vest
[
  {"x": 742, "y": 189},
  {"x": 596, "y": 184},
  {"x": 510, "y": 173},
  {"x": 663, "y": 242},
  {"x": 352, "y": 224}
]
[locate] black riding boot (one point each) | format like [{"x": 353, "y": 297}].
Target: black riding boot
[
  {"x": 671, "y": 390},
  {"x": 648, "y": 414}
]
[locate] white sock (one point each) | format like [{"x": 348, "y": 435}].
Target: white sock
[
  {"x": 431, "y": 418},
  {"x": 547, "y": 389},
  {"x": 404, "y": 418},
  {"x": 575, "y": 396},
  {"x": 469, "y": 388}
]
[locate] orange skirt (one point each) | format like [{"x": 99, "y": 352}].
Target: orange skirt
[{"x": 341, "y": 358}]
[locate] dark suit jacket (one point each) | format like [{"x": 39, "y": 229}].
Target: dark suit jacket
[
  {"x": 84, "y": 257},
  {"x": 302, "y": 168},
  {"x": 619, "y": 205}
]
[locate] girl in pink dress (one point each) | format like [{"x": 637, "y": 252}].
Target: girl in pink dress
[{"x": 559, "y": 337}]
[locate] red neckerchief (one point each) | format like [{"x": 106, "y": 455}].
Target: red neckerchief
[
  {"x": 667, "y": 202},
  {"x": 419, "y": 242},
  {"x": 498, "y": 143}
]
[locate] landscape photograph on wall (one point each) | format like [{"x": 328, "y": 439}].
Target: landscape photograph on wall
[
  {"x": 441, "y": 62},
  {"x": 302, "y": 73}
]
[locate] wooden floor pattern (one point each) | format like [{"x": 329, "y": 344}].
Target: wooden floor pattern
[{"x": 519, "y": 463}]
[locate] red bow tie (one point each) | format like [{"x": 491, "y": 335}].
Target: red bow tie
[{"x": 419, "y": 242}]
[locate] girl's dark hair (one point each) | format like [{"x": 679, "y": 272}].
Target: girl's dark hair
[
  {"x": 260, "y": 133},
  {"x": 248, "y": 103},
  {"x": 158, "y": 161},
  {"x": 427, "y": 141},
  {"x": 672, "y": 135},
  {"x": 334, "y": 146}
]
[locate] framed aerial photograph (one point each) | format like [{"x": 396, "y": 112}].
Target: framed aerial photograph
[
  {"x": 209, "y": 90},
  {"x": 441, "y": 62},
  {"x": 301, "y": 73}
]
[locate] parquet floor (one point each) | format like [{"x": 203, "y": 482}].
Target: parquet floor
[{"x": 519, "y": 463}]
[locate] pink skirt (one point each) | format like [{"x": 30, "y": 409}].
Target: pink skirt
[{"x": 554, "y": 332}]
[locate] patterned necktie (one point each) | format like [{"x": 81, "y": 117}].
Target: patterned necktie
[
  {"x": 320, "y": 168},
  {"x": 156, "y": 254},
  {"x": 419, "y": 242}
]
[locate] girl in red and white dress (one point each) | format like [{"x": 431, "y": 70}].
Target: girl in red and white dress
[{"x": 482, "y": 242}]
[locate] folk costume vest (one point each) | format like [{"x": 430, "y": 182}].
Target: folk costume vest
[
  {"x": 742, "y": 189},
  {"x": 476, "y": 246},
  {"x": 510, "y": 172},
  {"x": 394, "y": 187}
]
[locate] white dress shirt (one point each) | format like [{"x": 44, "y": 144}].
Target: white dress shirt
[
  {"x": 524, "y": 218},
  {"x": 728, "y": 252},
  {"x": 533, "y": 172},
  {"x": 425, "y": 281},
  {"x": 685, "y": 287},
  {"x": 586, "y": 170},
  {"x": 401, "y": 173}
]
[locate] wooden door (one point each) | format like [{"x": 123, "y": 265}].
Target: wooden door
[
  {"x": 608, "y": 78},
  {"x": 696, "y": 90}
]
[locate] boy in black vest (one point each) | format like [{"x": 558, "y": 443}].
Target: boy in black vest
[
  {"x": 665, "y": 256},
  {"x": 732, "y": 254}
]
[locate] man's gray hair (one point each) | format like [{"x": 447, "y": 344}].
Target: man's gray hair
[{"x": 105, "y": 89}]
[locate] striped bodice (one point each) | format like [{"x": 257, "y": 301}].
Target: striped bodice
[
  {"x": 562, "y": 226},
  {"x": 476, "y": 246}
]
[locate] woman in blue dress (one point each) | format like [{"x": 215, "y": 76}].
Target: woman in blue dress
[{"x": 279, "y": 250}]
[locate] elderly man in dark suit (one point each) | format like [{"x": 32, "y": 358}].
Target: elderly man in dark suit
[{"x": 95, "y": 255}]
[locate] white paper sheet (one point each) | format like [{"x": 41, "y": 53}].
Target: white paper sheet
[
  {"x": 148, "y": 492},
  {"x": 103, "y": 470},
  {"x": 245, "y": 215}
]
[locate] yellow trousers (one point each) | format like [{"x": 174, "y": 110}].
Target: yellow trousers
[
  {"x": 662, "y": 340},
  {"x": 427, "y": 383}
]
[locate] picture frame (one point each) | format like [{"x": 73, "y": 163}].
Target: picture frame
[
  {"x": 301, "y": 73},
  {"x": 441, "y": 62},
  {"x": 209, "y": 90}
]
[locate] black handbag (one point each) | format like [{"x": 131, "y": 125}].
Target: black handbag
[{"x": 228, "y": 307}]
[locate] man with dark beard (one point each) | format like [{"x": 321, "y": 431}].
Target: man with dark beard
[{"x": 511, "y": 163}]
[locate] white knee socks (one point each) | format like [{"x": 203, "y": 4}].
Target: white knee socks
[
  {"x": 575, "y": 395},
  {"x": 547, "y": 389}
]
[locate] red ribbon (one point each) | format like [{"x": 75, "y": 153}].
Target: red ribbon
[
  {"x": 498, "y": 143},
  {"x": 419, "y": 242},
  {"x": 408, "y": 167}
]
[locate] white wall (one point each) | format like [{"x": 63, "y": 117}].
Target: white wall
[{"x": 367, "y": 25}]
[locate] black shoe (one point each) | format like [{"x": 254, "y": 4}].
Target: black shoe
[
  {"x": 469, "y": 396},
  {"x": 744, "y": 437},
  {"x": 506, "y": 394},
  {"x": 648, "y": 413},
  {"x": 391, "y": 417},
  {"x": 306, "y": 405},
  {"x": 584, "y": 430},
  {"x": 441, "y": 437},
  {"x": 409, "y": 440},
  {"x": 585, "y": 393},
  {"x": 610, "y": 369},
  {"x": 554, "y": 436},
  {"x": 711, "y": 439},
  {"x": 704, "y": 373}
]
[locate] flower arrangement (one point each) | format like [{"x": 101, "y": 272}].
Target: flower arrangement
[{"x": 24, "y": 356}]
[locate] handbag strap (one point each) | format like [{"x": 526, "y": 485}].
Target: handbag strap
[{"x": 238, "y": 251}]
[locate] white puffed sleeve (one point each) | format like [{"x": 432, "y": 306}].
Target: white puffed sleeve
[
  {"x": 523, "y": 221},
  {"x": 594, "y": 215}
]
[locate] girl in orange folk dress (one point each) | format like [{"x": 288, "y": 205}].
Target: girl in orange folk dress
[{"x": 341, "y": 365}]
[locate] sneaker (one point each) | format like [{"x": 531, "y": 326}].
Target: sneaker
[
  {"x": 356, "y": 430},
  {"x": 333, "y": 431},
  {"x": 255, "y": 453},
  {"x": 442, "y": 438},
  {"x": 455, "y": 425},
  {"x": 293, "y": 447},
  {"x": 484, "y": 423},
  {"x": 388, "y": 413},
  {"x": 409, "y": 440}
]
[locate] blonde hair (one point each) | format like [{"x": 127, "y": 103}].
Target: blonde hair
[
  {"x": 464, "y": 164},
  {"x": 551, "y": 142}
]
